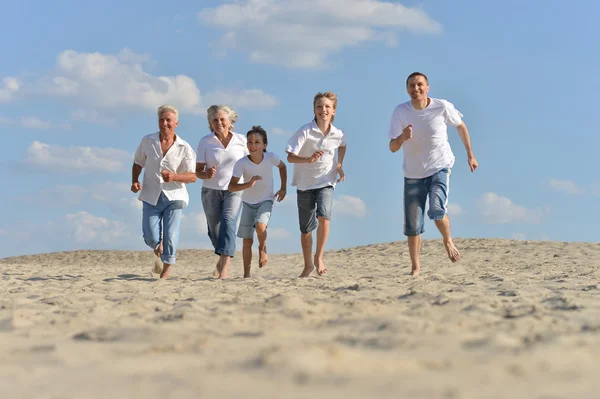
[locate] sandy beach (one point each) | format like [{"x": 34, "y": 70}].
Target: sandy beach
[{"x": 513, "y": 319}]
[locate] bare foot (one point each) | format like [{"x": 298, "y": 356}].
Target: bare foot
[
  {"x": 217, "y": 270},
  {"x": 247, "y": 275},
  {"x": 307, "y": 270},
  {"x": 320, "y": 266},
  {"x": 415, "y": 272},
  {"x": 158, "y": 266},
  {"x": 165, "y": 272},
  {"x": 453, "y": 253},
  {"x": 158, "y": 250},
  {"x": 262, "y": 256},
  {"x": 223, "y": 275}
]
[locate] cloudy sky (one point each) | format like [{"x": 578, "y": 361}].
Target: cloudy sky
[{"x": 80, "y": 83}]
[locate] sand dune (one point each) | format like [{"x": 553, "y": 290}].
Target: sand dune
[{"x": 514, "y": 319}]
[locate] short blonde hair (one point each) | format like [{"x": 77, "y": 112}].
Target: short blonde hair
[
  {"x": 329, "y": 95},
  {"x": 231, "y": 115},
  {"x": 168, "y": 108}
]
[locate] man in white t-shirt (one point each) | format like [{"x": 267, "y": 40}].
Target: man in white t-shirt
[
  {"x": 169, "y": 163},
  {"x": 419, "y": 127}
]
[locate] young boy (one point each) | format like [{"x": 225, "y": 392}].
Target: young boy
[
  {"x": 257, "y": 199},
  {"x": 312, "y": 151}
]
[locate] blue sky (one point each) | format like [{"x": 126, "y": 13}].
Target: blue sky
[{"x": 80, "y": 83}]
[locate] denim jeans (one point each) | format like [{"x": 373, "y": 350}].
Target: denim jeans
[
  {"x": 416, "y": 192},
  {"x": 222, "y": 209},
  {"x": 166, "y": 215},
  {"x": 313, "y": 204}
]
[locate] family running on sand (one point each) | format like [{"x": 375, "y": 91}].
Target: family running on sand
[{"x": 237, "y": 173}]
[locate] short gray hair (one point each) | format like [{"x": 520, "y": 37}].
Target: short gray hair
[
  {"x": 168, "y": 108},
  {"x": 231, "y": 114}
]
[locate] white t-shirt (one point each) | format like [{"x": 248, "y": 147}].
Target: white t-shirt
[
  {"x": 304, "y": 143},
  {"x": 180, "y": 158},
  {"x": 212, "y": 153},
  {"x": 262, "y": 189},
  {"x": 428, "y": 151}
]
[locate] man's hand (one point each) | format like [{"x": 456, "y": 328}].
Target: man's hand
[
  {"x": 407, "y": 133},
  {"x": 135, "y": 187},
  {"x": 168, "y": 176},
  {"x": 473, "y": 164},
  {"x": 340, "y": 172},
  {"x": 280, "y": 195},
  {"x": 254, "y": 180},
  {"x": 315, "y": 157},
  {"x": 210, "y": 173}
]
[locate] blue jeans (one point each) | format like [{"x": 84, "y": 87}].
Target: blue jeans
[
  {"x": 222, "y": 209},
  {"x": 165, "y": 215},
  {"x": 312, "y": 204},
  {"x": 416, "y": 191}
]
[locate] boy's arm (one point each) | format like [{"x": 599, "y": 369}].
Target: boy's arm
[
  {"x": 463, "y": 132},
  {"x": 341, "y": 155},
  {"x": 280, "y": 195}
]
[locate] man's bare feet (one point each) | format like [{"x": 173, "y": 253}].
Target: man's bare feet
[
  {"x": 320, "y": 266},
  {"x": 307, "y": 270},
  {"x": 158, "y": 265},
  {"x": 262, "y": 256},
  {"x": 224, "y": 274},
  {"x": 165, "y": 271},
  {"x": 453, "y": 253}
]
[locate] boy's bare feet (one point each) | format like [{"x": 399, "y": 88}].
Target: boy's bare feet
[
  {"x": 453, "y": 253},
  {"x": 165, "y": 271},
  {"x": 307, "y": 270},
  {"x": 415, "y": 272},
  {"x": 262, "y": 256},
  {"x": 320, "y": 266}
]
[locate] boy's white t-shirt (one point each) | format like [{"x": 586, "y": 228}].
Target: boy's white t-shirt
[
  {"x": 262, "y": 189},
  {"x": 304, "y": 143},
  {"x": 212, "y": 153},
  {"x": 428, "y": 151}
]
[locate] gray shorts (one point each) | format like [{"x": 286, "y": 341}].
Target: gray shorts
[
  {"x": 252, "y": 214},
  {"x": 313, "y": 204}
]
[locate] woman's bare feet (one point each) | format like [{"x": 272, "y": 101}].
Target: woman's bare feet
[
  {"x": 320, "y": 266},
  {"x": 165, "y": 271},
  {"x": 453, "y": 253},
  {"x": 262, "y": 256}
]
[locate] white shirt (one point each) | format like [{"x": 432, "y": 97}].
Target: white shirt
[
  {"x": 180, "y": 158},
  {"x": 304, "y": 143},
  {"x": 212, "y": 153},
  {"x": 428, "y": 151},
  {"x": 262, "y": 189}
]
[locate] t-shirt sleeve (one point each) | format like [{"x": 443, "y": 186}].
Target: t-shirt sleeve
[
  {"x": 140, "y": 158},
  {"x": 296, "y": 142},
  {"x": 238, "y": 169},
  {"x": 342, "y": 140},
  {"x": 453, "y": 116},
  {"x": 188, "y": 163},
  {"x": 396, "y": 125},
  {"x": 274, "y": 159},
  {"x": 201, "y": 152}
]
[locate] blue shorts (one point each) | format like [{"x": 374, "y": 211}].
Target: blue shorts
[
  {"x": 252, "y": 214},
  {"x": 415, "y": 196},
  {"x": 313, "y": 204}
]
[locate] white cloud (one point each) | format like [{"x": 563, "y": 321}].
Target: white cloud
[
  {"x": 194, "y": 222},
  {"x": 500, "y": 210},
  {"x": 113, "y": 81},
  {"x": 33, "y": 122},
  {"x": 455, "y": 210},
  {"x": 304, "y": 34},
  {"x": 9, "y": 87},
  {"x": 278, "y": 233},
  {"x": 280, "y": 132},
  {"x": 350, "y": 205},
  {"x": 54, "y": 157},
  {"x": 92, "y": 116},
  {"x": 245, "y": 98},
  {"x": 518, "y": 236},
  {"x": 565, "y": 186},
  {"x": 87, "y": 228}
]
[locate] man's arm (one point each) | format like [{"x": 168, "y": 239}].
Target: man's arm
[
  {"x": 136, "y": 170},
  {"x": 463, "y": 132},
  {"x": 396, "y": 144}
]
